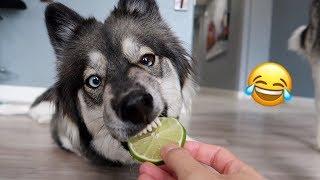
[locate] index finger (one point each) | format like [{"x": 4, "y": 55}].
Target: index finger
[{"x": 217, "y": 157}]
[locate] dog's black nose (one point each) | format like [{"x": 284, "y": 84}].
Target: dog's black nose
[{"x": 136, "y": 107}]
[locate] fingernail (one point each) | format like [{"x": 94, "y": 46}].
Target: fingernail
[{"x": 168, "y": 148}]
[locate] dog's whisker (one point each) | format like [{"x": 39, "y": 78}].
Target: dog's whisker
[{"x": 101, "y": 128}]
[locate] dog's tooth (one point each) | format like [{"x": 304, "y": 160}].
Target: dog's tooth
[
  {"x": 154, "y": 125},
  {"x": 158, "y": 121},
  {"x": 149, "y": 128},
  {"x": 140, "y": 134},
  {"x": 144, "y": 131}
]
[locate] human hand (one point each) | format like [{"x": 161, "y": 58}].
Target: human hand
[{"x": 185, "y": 164}]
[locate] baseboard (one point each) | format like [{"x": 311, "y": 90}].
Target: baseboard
[
  {"x": 19, "y": 94},
  {"x": 242, "y": 95},
  {"x": 24, "y": 94},
  {"x": 296, "y": 99}
]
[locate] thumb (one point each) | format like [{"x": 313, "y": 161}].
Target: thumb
[{"x": 181, "y": 162}]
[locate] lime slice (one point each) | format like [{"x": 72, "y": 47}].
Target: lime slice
[{"x": 147, "y": 147}]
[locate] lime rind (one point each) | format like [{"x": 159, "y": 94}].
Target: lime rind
[{"x": 155, "y": 146}]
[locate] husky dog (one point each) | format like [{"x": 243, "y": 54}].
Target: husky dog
[
  {"x": 115, "y": 79},
  {"x": 306, "y": 41}
]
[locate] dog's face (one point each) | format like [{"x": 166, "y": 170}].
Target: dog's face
[{"x": 120, "y": 75}]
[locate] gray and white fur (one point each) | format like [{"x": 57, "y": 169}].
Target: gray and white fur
[
  {"x": 305, "y": 40},
  {"x": 114, "y": 78}
]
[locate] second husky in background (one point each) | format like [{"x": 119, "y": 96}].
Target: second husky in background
[{"x": 305, "y": 40}]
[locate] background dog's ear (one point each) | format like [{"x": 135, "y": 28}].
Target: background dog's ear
[
  {"x": 61, "y": 23},
  {"x": 138, "y": 7}
]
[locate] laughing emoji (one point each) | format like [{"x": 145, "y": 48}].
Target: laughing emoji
[{"x": 270, "y": 84}]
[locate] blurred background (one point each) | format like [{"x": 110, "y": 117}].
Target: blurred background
[{"x": 228, "y": 38}]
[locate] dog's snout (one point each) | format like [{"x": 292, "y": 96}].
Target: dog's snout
[{"x": 136, "y": 107}]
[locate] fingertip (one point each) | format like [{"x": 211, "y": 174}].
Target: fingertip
[
  {"x": 167, "y": 149},
  {"x": 192, "y": 146}
]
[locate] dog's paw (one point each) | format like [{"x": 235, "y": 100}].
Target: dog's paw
[{"x": 42, "y": 113}]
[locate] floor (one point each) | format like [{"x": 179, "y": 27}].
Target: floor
[{"x": 279, "y": 142}]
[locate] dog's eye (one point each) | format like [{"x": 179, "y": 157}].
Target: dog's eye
[
  {"x": 148, "y": 60},
  {"x": 93, "y": 82}
]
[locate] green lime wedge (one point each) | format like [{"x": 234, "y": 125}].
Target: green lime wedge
[{"x": 146, "y": 147}]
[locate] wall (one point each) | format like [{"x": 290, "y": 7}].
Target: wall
[
  {"x": 24, "y": 45},
  {"x": 220, "y": 72},
  {"x": 259, "y": 33},
  {"x": 250, "y": 26},
  {"x": 287, "y": 16}
]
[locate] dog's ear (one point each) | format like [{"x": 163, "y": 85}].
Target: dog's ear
[
  {"x": 62, "y": 23},
  {"x": 140, "y": 7}
]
